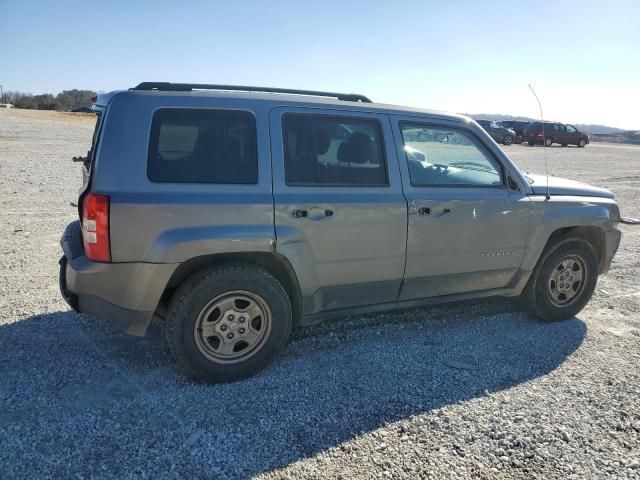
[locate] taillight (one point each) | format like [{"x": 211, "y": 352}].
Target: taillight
[{"x": 95, "y": 227}]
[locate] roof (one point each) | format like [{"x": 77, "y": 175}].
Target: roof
[{"x": 281, "y": 97}]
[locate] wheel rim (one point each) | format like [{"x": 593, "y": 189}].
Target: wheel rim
[
  {"x": 232, "y": 327},
  {"x": 567, "y": 280},
  {"x": 507, "y": 140},
  {"x": 582, "y": 143},
  {"x": 548, "y": 142}
]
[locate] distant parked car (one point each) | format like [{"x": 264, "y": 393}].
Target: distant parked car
[
  {"x": 517, "y": 126},
  {"x": 554, "y": 132},
  {"x": 499, "y": 133},
  {"x": 81, "y": 110}
]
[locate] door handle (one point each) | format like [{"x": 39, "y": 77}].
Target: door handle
[
  {"x": 429, "y": 210},
  {"x": 314, "y": 215}
]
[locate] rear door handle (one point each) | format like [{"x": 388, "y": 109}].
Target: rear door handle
[
  {"x": 314, "y": 214},
  {"x": 429, "y": 211}
]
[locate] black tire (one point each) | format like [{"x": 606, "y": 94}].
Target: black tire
[
  {"x": 507, "y": 140},
  {"x": 531, "y": 143},
  {"x": 197, "y": 292},
  {"x": 548, "y": 142},
  {"x": 564, "y": 144},
  {"x": 536, "y": 294},
  {"x": 581, "y": 143}
]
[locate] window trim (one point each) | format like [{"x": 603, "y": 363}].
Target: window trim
[
  {"x": 332, "y": 116},
  {"x": 475, "y": 139},
  {"x": 195, "y": 182}
]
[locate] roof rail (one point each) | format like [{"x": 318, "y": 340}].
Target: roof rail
[{"x": 187, "y": 87}]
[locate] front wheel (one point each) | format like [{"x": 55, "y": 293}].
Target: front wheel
[
  {"x": 582, "y": 143},
  {"x": 227, "y": 323},
  {"x": 548, "y": 142},
  {"x": 563, "y": 281},
  {"x": 507, "y": 140}
]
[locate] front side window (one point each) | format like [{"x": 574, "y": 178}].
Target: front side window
[
  {"x": 444, "y": 157},
  {"x": 571, "y": 129},
  {"x": 495, "y": 125},
  {"x": 203, "y": 146},
  {"x": 325, "y": 150}
]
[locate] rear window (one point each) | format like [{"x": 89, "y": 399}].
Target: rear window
[
  {"x": 533, "y": 127},
  {"x": 203, "y": 146}
]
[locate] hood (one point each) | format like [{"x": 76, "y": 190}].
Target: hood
[{"x": 562, "y": 186}]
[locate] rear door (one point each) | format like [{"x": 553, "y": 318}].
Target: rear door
[
  {"x": 340, "y": 214},
  {"x": 467, "y": 230}
]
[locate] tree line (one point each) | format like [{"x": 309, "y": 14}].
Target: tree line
[{"x": 65, "y": 100}]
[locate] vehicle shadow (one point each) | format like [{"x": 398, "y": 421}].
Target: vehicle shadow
[{"x": 79, "y": 398}]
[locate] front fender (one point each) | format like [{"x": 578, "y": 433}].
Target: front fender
[{"x": 561, "y": 212}]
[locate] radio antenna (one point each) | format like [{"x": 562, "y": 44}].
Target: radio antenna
[{"x": 544, "y": 142}]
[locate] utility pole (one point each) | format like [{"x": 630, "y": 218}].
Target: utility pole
[{"x": 1, "y": 94}]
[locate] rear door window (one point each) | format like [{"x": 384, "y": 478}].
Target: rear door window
[
  {"x": 203, "y": 146},
  {"x": 326, "y": 150}
]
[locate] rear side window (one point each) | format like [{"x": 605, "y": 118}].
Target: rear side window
[
  {"x": 325, "y": 150},
  {"x": 203, "y": 146}
]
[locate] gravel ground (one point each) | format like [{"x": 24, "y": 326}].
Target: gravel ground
[{"x": 476, "y": 390}]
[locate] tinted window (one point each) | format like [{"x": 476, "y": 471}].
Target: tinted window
[
  {"x": 571, "y": 129},
  {"x": 321, "y": 150},
  {"x": 203, "y": 146},
  {"x": 446, "y": 157}
]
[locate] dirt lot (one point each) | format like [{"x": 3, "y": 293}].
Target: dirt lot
[{"x": 459, "y": 391}]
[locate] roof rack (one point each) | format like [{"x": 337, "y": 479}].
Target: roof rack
[{"x": 187, "y": 87}]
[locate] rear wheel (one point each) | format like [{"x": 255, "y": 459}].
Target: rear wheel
[
  {"x": 548, "y": 142},
  {"x": 227, "y": 323},
  {"x": 563, "y": 281}
]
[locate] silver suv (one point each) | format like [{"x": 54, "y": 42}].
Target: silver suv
[{"x": 234, "y": 213}]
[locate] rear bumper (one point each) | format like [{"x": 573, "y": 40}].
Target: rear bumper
[
  {"x": 612, "y": 242},
  {"x": 126, "y": 294}
]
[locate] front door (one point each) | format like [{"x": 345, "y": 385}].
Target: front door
[
  {"x": 340, "y": 214},
  {"x": 497, "y": 132},
  {"x": 467, "y": 230},
  {"x": 573, "y": 137}
]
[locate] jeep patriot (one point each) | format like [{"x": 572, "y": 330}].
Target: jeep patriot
[{"x": 234, "y": 213}]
